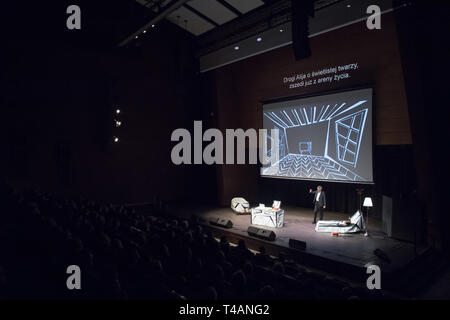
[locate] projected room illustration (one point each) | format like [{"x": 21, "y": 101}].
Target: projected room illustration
[{"x": 329, "y": 141}]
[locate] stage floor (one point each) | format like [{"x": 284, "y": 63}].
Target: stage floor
[{"x": 351, "y": 249}]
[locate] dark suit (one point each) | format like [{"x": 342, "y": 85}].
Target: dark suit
[{"x": 319, "y": 204}]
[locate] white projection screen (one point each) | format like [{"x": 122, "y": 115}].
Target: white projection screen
[{"x": 322, "y": 138}]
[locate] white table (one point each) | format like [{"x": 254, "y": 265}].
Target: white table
[{"x": 268, "y": 217}]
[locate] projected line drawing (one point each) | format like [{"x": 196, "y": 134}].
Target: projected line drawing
[
  {"x": 348, "y": 136},
  {"x": 302, "y": 116},
  {"x": 282, "y": 143},
  {"x": 311, "y": 167},
  {"x": 330, "y": 152},
  {"x": 304, "y": 147}
]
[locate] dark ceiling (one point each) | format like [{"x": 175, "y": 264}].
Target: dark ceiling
[{"x": 110, "y": 24}]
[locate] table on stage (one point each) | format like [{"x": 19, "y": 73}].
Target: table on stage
[{"x": 267, "y": 216}]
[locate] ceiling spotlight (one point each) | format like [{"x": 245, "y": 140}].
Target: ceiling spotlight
[
  {"x": 137, "y": 37},
  {"x": 349, "y": 6},
  {"x": 281, "y": 30},
  {"x": 236, "y": 48},
  {"x": 259, "y": 39},
  {"x": 118, "y": 123},
  {"x": 153, "y": 25},
  {"x": 116, "y": 139},
  {"x": 118, "y": 111},
  {"x": 145, "y": 31}
]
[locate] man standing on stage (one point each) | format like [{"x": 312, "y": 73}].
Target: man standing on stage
[{"x": 319, "y": 202}]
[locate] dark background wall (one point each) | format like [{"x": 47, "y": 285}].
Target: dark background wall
[
  {"x": 60, "y": 90},
  {"x": 243, "y": 86},
  {"x": 424, "y": 62}
]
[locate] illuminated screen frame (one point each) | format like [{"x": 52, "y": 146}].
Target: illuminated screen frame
[{"x": 339, "y": 162}]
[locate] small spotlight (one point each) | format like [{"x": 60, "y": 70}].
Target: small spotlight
[
  {"x": 153, "y": 25},
  {"x": 145, "y": 31},
  {"x": 281, "y": 30},
  {"x": 116, "y": 139},
  {"x": 118, "y": 111},
  {"x": 136, "y": 37},
  {"x": 349, "y": 6},
  {"x": 259, "y": 39},
  {"x": 236, "y": 48},
  {"x": 118, "y": 123}
]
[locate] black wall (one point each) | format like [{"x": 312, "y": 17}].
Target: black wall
[
  {"x": 60, "y": 89},
  {"x": 425, "y": 50}
]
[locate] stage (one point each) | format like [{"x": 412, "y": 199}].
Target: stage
[{"x": 345, "y": 255}]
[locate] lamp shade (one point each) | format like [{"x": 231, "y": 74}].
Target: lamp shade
[{"x": 367, "y": 202}]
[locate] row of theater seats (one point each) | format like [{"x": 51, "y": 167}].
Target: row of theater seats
[{"x": 127, "y": 255}]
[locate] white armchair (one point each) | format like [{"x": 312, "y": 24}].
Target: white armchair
[{"x": 240, "y": 205}]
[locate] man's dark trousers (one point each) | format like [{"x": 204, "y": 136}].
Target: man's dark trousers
[{"x": 318, "y": 208}]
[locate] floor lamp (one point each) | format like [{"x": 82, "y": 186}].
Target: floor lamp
[{"x": 368, "y": 204}]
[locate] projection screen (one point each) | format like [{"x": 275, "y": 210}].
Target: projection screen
[{"x": 325, "y": 138}]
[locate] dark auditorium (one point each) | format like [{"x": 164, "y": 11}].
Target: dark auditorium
[{"x": 225, "y": 158}]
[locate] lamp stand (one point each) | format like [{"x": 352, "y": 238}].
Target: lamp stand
[{"x": 366, "y": 234}]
